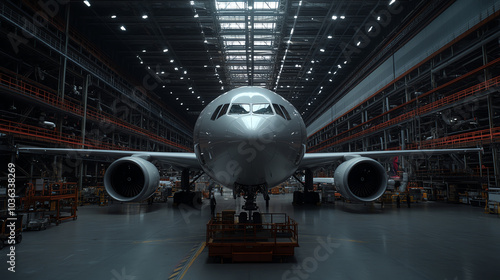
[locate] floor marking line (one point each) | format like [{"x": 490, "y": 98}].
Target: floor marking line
[
  {"x": 193, "y": 259},
  {"x": 181, "y": 268}
]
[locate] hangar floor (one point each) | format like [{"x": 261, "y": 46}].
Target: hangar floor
[{"x": 127, "y": 242}]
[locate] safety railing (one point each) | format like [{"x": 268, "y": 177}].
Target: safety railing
[
  {"x": 344, "y": 136},
  {"x": 70, "y": 106},
  {"x": 51, "y": 136}
]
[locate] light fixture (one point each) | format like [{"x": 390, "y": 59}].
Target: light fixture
[
  {"x": 322, "y": 50},
  {"x": 334, "y": 17},
  {"x": 113, "y": 16},
  {"x": 196, "y": 16},
  {"x": 330, "y": 37},
  {"x": 191, "y": 2},
  {"x": 342, "y": 17},
  {"x": 123, "y": 28},
  {"x": 86, "y": 2},
  {"x": 392, "y": 2},
  {"x": 145, "y": 16},
  {"x": 165, "y": 50}
]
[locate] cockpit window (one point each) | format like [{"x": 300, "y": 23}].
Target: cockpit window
[
  {"x": 216, "y": 112},
  {"x": 263, "y": 108},
  {"x": 287, "y": 116},
  {"x": 223, "y": 111},
  {"x": 239, "y": 109},
  {"x": 278, "y": 110}
]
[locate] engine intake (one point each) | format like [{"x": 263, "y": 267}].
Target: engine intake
[
  {"x": 131, "y": 179},
  {"x": 361, "y": 179}
]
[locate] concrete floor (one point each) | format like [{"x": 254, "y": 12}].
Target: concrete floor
[{"x": 127, "y": 242}]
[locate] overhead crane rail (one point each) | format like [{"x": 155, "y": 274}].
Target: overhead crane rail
[
  {"x": 51, "y": 98},
  {"x": 341, "y": 138}
]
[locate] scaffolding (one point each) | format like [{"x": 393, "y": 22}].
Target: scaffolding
[{"x": 52, "y": 199}]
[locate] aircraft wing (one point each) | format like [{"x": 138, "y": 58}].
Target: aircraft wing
[
  {"x": 177, "y": 160},
  {"x": 312, "y": 160}
]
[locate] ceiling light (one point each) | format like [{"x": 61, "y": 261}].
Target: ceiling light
[
  {"x": 330, "y": 37},
  {"x": 113, "y": 16},
  {"x": 334, "y": 17},
  {"x": 191, "y": 2},
  {"x": 171, "y": 61},
  {"x": 392, "y": 2},
  {"x": 370, "y": 29},
  {"x": 345, "y": 62},
  {"x": 176, "y": 69},
  {"x": 322, "y": 50},
  {"x": 123, "y": 28},
  {"x": 165, "y": 50},
  {"x": 358, "y": 43},
  {"x": 196, "y": 16},
  {"x": 145, "y": 16},
  {"x": 339, "y": 66},
  {"x": 185, "y": 72},
  {"x": 182, "y": 103},
  {"x": 294, "y": 16},
  {"x": 342, "y": 17},
  {"x": 143, "y": 50},
  {"x": 88, "y": 3}
]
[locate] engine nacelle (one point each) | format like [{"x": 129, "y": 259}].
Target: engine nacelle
[
  {"x": 361, "y": 179},
  {"x": 131, "y": 179}
]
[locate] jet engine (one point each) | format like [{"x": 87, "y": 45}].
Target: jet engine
[
  {"x": 361, "y": 179},
  {"x": 131, "y": 179}
]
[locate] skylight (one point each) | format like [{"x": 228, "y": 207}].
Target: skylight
[{"x": 248, "y": 32}]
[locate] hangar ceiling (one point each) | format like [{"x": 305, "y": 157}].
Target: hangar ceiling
[{"x": 310, "y": 52}]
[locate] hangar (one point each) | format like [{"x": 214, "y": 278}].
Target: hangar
[{"x": 373, "y": 126}]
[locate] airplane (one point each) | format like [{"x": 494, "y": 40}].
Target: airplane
[{"x": 248, "y": 139}]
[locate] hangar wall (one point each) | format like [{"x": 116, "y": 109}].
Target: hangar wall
[{"x": 457, "y": 19}]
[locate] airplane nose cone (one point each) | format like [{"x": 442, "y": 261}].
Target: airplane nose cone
[{"x": 253, "y": 143}]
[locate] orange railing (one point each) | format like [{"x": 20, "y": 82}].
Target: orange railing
[
  {"x": 68, "y": 105},
  {"x": 344, "y": 136},
  {"x": 52, "y": 136}
]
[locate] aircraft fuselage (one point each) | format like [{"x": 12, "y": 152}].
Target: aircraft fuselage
[{"x": 250, "y": 136}]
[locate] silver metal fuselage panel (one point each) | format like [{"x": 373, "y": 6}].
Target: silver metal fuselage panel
[{"x": 246, "y": 147}]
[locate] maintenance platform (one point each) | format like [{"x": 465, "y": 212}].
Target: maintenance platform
[{"x": 265, "y": 237}]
